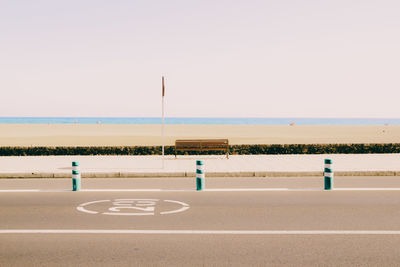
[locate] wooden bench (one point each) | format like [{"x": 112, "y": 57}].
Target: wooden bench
[{"x": 202, "y": 145}]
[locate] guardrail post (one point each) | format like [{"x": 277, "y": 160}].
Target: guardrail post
[
  {"x": 76, "y": 177},
  {"x": 328, "y": 175},
  {"x": 200, "y": 175}
]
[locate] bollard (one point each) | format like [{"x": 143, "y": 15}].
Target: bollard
[
  {"x": 328, "y": 163},
  {"x": 76, "y": 177},
  {"x": 75, "y": 165},
  {"x": 199, "y": 165},
  {"x": 200, "y": 175},
  {"x": 76, "y": 181},
  {"x": 328, "y": 175},
  {"x": 199, "y": 180}
]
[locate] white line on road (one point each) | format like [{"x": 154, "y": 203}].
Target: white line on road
[
  {"x": 366, "y": 189},
  {"x": 32, "y": 190},
  {"x": 206, "y": 190},
  {"x": 184, "y": 207},
  {"x": 20, "y": 190},
  {"x": 128, "y": 214},
  {"x": 205, "y": 232}
]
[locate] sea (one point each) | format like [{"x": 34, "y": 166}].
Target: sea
[{"x": 211, "y": 121}]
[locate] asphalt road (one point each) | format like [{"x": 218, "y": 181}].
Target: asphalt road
[{"x": 188, "y": 228}]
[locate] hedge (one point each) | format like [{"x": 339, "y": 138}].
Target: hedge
[{"x": 234, "y": 150}]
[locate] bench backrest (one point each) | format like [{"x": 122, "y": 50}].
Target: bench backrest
[{"x": 202, "y": 144}]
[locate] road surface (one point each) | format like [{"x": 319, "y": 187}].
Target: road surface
[{"x": 304, "y": 226}]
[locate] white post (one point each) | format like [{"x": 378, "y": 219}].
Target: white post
[{"x": 162, "y": 121}]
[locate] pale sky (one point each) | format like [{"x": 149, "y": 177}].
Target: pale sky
[{"x": 281, "y": 58}]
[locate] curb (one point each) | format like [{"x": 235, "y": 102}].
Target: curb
[{"x": 191, "y": 174}]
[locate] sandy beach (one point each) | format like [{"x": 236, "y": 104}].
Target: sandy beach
[{"x": 139, "y": 135}]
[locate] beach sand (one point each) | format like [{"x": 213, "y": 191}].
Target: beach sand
[{"x": 141, "y": 135}]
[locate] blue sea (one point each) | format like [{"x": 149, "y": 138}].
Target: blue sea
[{"x": 237, "y": 121}]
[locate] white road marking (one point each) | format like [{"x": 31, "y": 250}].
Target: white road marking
[
  {"x": 127, "y": 214},
  {"x": 33, "y": 190},
  {"x": 174, "y": 211},
  {"x": 177, "y": 202},
  {"x": 184, "y": 207},
  {"x": 366, "y": 189},
  {"x": 122, "y": 190},
  {"x": 130, "y": 199},
  {"x": 85, "y": 210},
  {"x": 81, "y": 206},
  {"x": 93, "y": 202},
  {"x": 204, "y": 232},
  {"x": 205, "y": 190},
  {"x": 20, "y": 190},
  {"x": 118, "y": 208},
  {"x": 146, "y": 206}
]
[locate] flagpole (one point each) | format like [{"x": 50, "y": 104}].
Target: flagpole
[{"x": 162, "y": 120}]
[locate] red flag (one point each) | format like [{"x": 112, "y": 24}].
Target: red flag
[{"x": 163, "y": 87}]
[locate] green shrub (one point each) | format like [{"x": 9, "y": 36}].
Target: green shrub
[{"x": 274, "y": 149}]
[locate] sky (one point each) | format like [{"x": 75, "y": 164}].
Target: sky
[{"x": 250, "y": 58}]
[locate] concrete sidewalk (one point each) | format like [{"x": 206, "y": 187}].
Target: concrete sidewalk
[{"x": 185, "y": 166}]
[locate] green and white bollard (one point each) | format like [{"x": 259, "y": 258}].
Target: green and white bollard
[
  {"x": 328, "y": 175},
  {"x": 200, "y": 175},
  {"x": 76, "y": 177},
  {"x": 328, "y": 163},
  {"x": 75, "y": 166}
]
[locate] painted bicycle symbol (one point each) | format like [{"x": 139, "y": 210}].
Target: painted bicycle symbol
[{"x": 133, "y": 207}]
